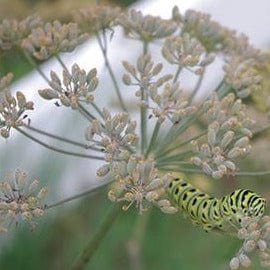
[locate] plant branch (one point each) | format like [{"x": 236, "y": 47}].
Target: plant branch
[
  {"x": 89, "y": 250},
  {"x": 74, "y": 197},
  {"x": 107, "y": 63},
  {"x": 55, "y": 149},
  {"x": 153, "y": 139},
  {"x": 36, "y": 66},
  {"x": 66, "y": 140}
]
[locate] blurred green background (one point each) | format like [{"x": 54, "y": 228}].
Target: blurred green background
[{"x": 164, "y": 242}]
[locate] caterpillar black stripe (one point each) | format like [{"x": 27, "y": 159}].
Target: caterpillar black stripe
[{"x": 212, "y": 213}]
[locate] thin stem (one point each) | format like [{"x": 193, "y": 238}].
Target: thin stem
[
  {"x": 98, "y": 110},
  {"x": 175, "y": 131},
  {"x": 177, "y": 74},
  {"x": 197, "y": 86},
  {"x": 89, "y": 250},
  {"x": 258, "y": 173},
  {"x": 63, "y": 139},
  {"x": 260, "y": 132},
  {"x": 74, "y": 197},
  {"x": 179, "y": 169},
  {"x": 57, "y": 149},
  {"x": 143, "y": 111},
  {"x": 85, "y": 112},
  {"x": 153, "y": 139},
  {"x": 171, "y": 163},
  {"x": 136, "y": 241},
  {"x": 62, "y": 63},
  {"x": 143, "y": 126},
  {"x": 174, "y": 157},
  {"x": 107, "y": 63},
  {"x": 176, "y": 146},
  {"x": 36, "y": 66}
]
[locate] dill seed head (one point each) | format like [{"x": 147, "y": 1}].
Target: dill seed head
[
  {"x": 52, "y": 38},
  {"x": 144, "y": 74},
  {"x": 12, "y": 108},
  {"x": 142, "y": 186},
  {"x": 75, "y": 87},
  {"x": 187, "y": 52},
  {"x": 146, "y": 28},
  {"x": 95, "y": 18},
  {"x": 19, "y": 200},
  {"x": 12, "y": 32},
  {"x": 242, "y": 76},
  {"x": 228, "y": 125}
]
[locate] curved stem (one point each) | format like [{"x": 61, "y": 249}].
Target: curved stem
[
  {"x": 57, "y": 149},
  {"x": 107, "y": 63},
  {"x": 89, "y": 250},
  {"x": 74, "y": 197},
  {"x": 63, "y": 139},
  {"x": 36, "y": 66}
]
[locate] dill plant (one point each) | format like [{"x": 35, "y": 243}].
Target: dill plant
[{"x": 175, "y": 133}]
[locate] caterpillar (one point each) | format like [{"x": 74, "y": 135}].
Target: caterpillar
[{"x": 216, "y": 214}]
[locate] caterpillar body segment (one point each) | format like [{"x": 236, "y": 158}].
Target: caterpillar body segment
[{"x": 224, "y": 214}]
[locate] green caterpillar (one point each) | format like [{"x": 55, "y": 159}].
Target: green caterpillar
[{"x": 219, "y": 214}]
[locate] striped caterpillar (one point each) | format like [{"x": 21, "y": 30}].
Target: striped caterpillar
[{"x": 212, "y": 213}]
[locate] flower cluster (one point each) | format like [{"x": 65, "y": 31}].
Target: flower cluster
[
  {"x": 116, "y": 136},
  {"x": 171, "y": 103},
  {"x": 144, "y": 74},
  {"x": 95, "y": 18},
  {"x": 255, "y": 237},
  {"x": 19, "y": 200},
  {"x": 186, "y": 52},
  {"x": 214, "y": 36},
  {"x": 12, "y": 108},
  {"x": 13, "y": 32},
  {"x": 52, "y": 38},
  {"x": 75, "y": 87},
  {"x": 242, "y": 76},
  {"x": 141, "y": 185},
  {"x": 227, "y": 136},
  {"x": 145, "y": 28}
]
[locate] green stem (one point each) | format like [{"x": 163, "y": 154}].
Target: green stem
[
  {"x": 177, "y": 74},
  {"x": 153, "y": 139},
  {"x": 136, "y": 241},
  {"x": 36, "y": 66},
  {"x": 175, "y": 157},
  {"x": 176, "y": 146},
  {"x": 55, "y": 149},
  {"x": 108, "y": 65},
  {"x": 62, "y": 63},
  {"x": 89, "y": 250},
  {"x": 74, "y": 197},
  {"x": 197, "y": 86},
  {"x": 258, "y": 173},
  {"x": 181, "y": 170},
  {"x": 260, "y": 132},
  {"x": 98, "y": 110},
  {"x": 172, "y": 163},
  {"x": 63, "y": 139},
  {"x": 143, "y": 111},
  {"x": 85, "y": 113}
]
